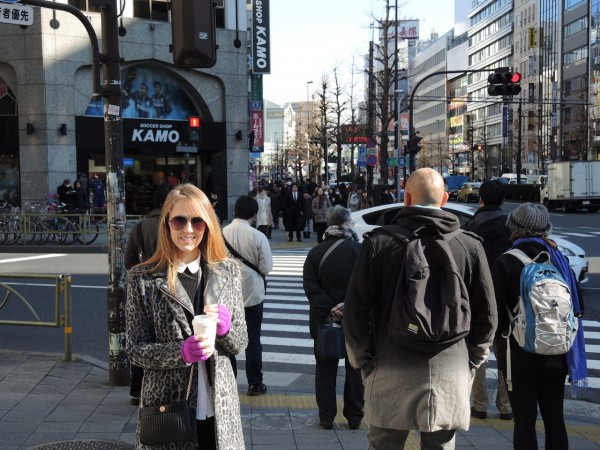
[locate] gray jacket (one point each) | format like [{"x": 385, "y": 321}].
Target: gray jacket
[
  {"x": 154, "y": 343},
  {"x": 411, "y": 390}
]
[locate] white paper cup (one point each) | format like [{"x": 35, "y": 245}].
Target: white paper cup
[{"x": 206, "y": 326}]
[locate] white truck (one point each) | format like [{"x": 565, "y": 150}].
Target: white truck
[{"x": 572, "y": 185}]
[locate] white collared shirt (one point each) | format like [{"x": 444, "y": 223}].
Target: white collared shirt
[
  {"x": 204, "y": 407},
  {"x": 193, "y": 267}
]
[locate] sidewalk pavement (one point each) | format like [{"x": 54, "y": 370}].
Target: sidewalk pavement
[{"x": 45, "y": 400}]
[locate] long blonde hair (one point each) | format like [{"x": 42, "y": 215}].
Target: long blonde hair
[{"x": 212, "y": 246}]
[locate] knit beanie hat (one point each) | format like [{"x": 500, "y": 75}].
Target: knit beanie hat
[{"x": 529, "y": 220}]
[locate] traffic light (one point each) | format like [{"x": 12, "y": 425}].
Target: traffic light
[
  {"x": 194, "y": 33},
  {"x": 414, "y": 143},
  {"x": 194, "y": 130},
  {"x": 504, "y": 82}
]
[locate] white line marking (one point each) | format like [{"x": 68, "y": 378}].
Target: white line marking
[{"x": 29, "y": 258}]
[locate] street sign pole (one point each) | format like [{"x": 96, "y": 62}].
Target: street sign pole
[{"x": 118, "y": 363}]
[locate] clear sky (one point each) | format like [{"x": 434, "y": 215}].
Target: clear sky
[{"x": 311, "y": 37}]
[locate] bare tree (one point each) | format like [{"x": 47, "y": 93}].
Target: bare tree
[
  {"x": 385, "y": 74},
  {"x": 323, "y": 120},
  {"x": 339, "y": 107},
  {"x": 579, "y": 136}
]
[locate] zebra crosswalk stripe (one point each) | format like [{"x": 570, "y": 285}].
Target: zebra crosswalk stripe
[{"x": 285, "y": 334}]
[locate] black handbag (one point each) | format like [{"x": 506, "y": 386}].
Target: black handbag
[
  {"x": 330, "y": 340},
  {"x": 167, "y": 423}
]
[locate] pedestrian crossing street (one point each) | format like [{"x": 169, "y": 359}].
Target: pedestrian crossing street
[{"x": 287, "y": 345}]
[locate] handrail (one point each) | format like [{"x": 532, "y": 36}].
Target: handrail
[{"x": 62, "y": 288}]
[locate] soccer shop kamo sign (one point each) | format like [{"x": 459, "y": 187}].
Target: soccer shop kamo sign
[{"x": 261, "y": 37}]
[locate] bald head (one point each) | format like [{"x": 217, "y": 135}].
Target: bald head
[{"x": 425, "y": 187}]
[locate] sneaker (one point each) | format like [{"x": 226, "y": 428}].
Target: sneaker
[
  {"x": 256, "y": 389},
  {"x": 134, "y": 400},
  {"x": 506, "y": 416},
  {"x": 478, "y": 414}
]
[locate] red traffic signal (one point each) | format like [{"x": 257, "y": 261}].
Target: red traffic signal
[
  {"x": 503, "y": 82},
  {"x": 194, "y": 122},
  {"x": 194, "y": 129}
]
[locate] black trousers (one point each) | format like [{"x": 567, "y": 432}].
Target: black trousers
[
  {"x": 206, "y": 434},
  {"x": 254, "y": 318},
  {"x": 320, "y": 228},
  {"x": 325, "y": 380},
  {"x": 137, "y": 375},
  {"x": 546, "y": 388}
]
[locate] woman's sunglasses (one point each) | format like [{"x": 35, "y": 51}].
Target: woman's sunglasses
[{"x": 179, "y": 222}]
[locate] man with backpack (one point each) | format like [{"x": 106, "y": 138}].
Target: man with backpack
[
  {"x": 489, "y": 223},
  {"x": 540, "y": 351},
  {"x": 420, "y": 315}
]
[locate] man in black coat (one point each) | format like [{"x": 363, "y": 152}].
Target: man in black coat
[
  {"x": 490, "y": 224},
  {"x": 293, "y": 213}
]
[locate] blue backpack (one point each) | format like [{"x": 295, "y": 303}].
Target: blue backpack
[{"x": 543, "y": 321}]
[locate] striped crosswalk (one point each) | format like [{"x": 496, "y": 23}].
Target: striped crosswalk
[{"x": 286, "y": 339}]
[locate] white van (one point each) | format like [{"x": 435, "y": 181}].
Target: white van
[{"x": 525, "y": 179}]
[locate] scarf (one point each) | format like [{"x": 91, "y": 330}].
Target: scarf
[
  {"x": 343, "y": 231},
  {"x": 576, "y": 358}
]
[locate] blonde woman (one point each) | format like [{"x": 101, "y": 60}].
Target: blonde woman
[{"x": 189, "y": 274}]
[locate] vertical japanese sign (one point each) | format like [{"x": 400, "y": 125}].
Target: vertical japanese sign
[
  {"x": 257, "y": 115},
  {"x": 257, "y": 119},
  {"x": 261, "y": 37}
]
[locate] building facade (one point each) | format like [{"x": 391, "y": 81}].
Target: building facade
[{"x": 52, "y": 127}]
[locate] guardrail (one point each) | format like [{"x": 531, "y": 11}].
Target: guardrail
[{"x": 62, "y": 289}]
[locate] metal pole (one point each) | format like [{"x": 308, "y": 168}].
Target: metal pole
[
  {"x": 118, "y": 364},
  {"x": 397, "y": 92},
  {"x": 308, "y": 107},
  {"x": 326, "y": 155},
  {"x": 519, "y": 141}
]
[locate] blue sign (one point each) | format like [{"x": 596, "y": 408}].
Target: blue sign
[
  {"x": 10, "y": 1},
  {"x": 361, "y": 163},
  {"x": 402, "y": 161}
]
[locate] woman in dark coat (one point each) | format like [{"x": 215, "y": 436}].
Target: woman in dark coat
[
  {"x": 189, "y": 274},
  {"x": 533, "y": 379},
  {"x": 325, "y": 283}
]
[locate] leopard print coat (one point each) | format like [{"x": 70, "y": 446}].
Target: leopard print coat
[{"x": 158, "y": 323}]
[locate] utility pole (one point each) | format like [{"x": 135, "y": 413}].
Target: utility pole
[
  {"x": 326, "y": 154},
  {"x": 370, "y": 110},
  {"x": 397, "y": 97},
  {"x": 118, "y": 363},
  {"x": 519, "y": 141}
]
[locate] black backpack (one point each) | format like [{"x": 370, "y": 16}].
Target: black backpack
[{"x": 430, "y": 310}]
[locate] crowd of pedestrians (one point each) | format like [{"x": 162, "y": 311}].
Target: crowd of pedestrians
[
  {"x": 302, "y": 207},
  {"x": 393, "y": 378}
]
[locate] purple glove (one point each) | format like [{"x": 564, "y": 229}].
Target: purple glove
[
  {"x": 224, "y": 321},
  {"x": 191, "y": 352}
]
